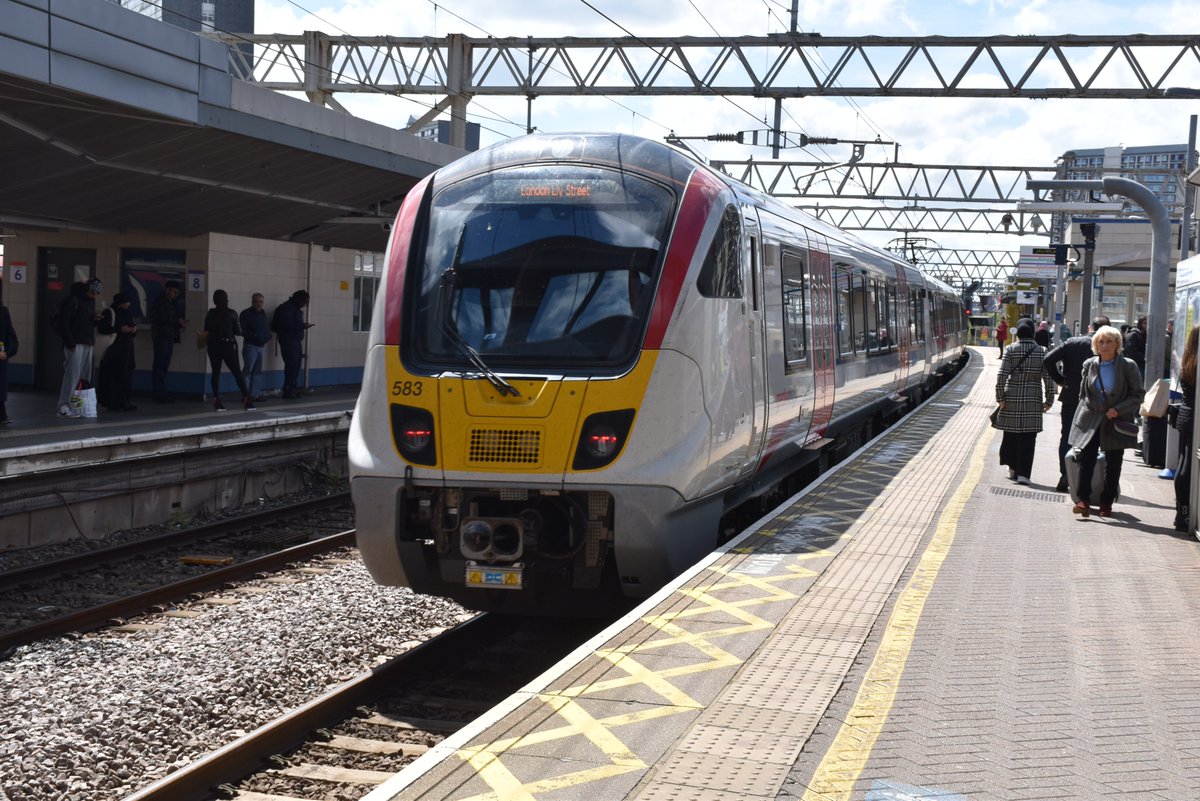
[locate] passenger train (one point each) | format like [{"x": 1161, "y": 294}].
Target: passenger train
[{"x": 591, "y": 352}]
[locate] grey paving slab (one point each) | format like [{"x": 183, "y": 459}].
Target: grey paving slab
[{"x": 1050, "y": 654}]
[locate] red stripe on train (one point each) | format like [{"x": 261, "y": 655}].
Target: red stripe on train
[
  {"x": 397, "y": 260},
  {"x": 698, "y": 199}
]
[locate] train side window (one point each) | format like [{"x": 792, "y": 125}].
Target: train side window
[
  {"x": 795, "y": 289},
  {"x": 888, "y": 340},
  {"x": 753, "y": 262},
  {"x": 720, "y": 275},
  {"x": 845, "y": 310}
]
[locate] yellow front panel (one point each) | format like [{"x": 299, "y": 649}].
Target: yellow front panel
[{"x": 478, "y": 429}]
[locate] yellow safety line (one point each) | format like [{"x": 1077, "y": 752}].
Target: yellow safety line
[{"x": 847, "y": 756}]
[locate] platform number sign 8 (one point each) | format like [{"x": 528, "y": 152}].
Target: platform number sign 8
[{"x": 195, "y": 282}]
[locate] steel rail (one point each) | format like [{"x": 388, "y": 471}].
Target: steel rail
[
  {"x": 89, "y": 559},
  {"x": 96, "y": 616},
  {"x": 245, "y": 755}
]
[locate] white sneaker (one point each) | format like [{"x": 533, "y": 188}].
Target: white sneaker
[
  {"x": 68, "y": 411},
  {"x": 1023, "y": 480}
]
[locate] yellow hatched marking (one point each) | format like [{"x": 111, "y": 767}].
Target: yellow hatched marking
[
  {"x": 487, "y": 760},
  {"x": 847, "y": 756}
]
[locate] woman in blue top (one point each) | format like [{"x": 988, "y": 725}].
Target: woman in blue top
[{"x": 1111, "y": 388}]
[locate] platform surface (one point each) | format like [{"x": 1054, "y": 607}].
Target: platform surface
[
  {"x": 37, "y": 427},
  {"x": 912, "y": 626}
]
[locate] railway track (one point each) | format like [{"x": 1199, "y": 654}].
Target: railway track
[
  {"x": 92, "y": 586},
  {"x": 357, "y": 736}
]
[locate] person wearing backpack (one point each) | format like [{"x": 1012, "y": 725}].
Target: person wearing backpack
[
  {"x": 288, "y": 324},
  {"x": 76, "y": 325}
]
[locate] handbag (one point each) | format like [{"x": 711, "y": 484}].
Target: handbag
[
  {"x": 1157, "y": 399},
  {"x": 201, "y": 340},
  {"x": 1125, "y": 432}
]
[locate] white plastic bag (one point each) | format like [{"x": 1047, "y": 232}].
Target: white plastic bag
[{"x": 85, "y": 401}]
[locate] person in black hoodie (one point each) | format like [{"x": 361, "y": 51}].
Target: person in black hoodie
[
  {"x": 8, "y": 349},
  {"x": 115, "y": 385},
  {"x": 221, "y": 325},
  {"x": 77, "y": 318},
  {"x": 288, "y": 323}
]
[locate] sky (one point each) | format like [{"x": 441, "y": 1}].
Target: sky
[{"x": 958, "y": 131}]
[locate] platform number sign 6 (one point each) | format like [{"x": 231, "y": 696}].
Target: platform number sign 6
[{"x": 16, "y": 273}]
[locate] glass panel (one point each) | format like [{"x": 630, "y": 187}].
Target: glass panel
[
  {"x": 845, "y": 316},
  {"x": 538, "y": 265},
  {"x": 720, "y": 275},
  {"x": 795, "y": 344}
]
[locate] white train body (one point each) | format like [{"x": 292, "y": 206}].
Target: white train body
[{"x": 589, "y": 349}]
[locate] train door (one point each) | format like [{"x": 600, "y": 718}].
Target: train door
[
  {"x": 57, "y": 269},
  {"x": 753, "y": 310},
  {"x": 903, "y": 321},
  {"x": 823, "y": 332}
]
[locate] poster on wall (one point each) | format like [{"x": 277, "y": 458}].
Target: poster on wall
[{"x": 144, "y": 272}]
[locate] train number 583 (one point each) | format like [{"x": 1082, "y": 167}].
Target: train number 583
[{"x": 407, "y": 388}]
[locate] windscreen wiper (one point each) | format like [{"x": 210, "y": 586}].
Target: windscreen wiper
[{"x": 473, "y": 356}]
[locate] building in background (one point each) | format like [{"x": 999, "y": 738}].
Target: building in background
[
  {"x": 230, "y": 16},
  {"x": 1160, "y": 168},
  {"x": 439, "y": 131},
  {"x": 1121, "y": 278}
]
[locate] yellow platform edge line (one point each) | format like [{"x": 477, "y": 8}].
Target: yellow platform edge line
[{"x": 844, "y": 762}]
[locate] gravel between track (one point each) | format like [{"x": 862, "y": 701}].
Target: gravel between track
[{"x": 94, "y": 719}]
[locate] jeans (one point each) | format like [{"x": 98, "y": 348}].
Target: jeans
[
  {"x": 252, "y": 364},
  {"x": 77, "y": 364},
  {"x": 163, "y": 348}
]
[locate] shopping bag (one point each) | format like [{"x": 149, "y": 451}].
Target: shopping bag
[
  {"x": 1157, "y": 399},
  {"x": 85, "y": 401}
]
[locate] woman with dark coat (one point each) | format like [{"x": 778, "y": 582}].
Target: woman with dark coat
[
  {"x": 1183, "y": 424},
  {"x": 1024, "y": 391},
  {"x": 221, "y": 325},
  {"x": 116, "y": 368},
  {"x": 1111, "y": 388},
  {"x": 8, "y": 349}
]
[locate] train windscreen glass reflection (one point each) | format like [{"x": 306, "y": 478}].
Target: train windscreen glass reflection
[{"x": 540, "y": 265}]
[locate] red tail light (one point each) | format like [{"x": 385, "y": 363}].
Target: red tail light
[{"x": 602, "y": 438}]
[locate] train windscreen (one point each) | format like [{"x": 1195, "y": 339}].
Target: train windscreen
[{"x": 545, "y": 267}]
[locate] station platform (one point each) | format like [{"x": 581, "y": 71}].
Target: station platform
[
  {"x": 81, "y": 478},
  {"x": 912, "y": 626},
  {"x": 38, "y": 429}
]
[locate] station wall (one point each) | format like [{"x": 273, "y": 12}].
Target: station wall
[{"x": 239, "y": 265}]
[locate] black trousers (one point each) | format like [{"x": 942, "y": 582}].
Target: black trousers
[
  {"x": 1016, "y": 451},
  {"x": 1183, "y": 475},
  {"x": 1068, "y": 415},
  {"x": 226, "y": 352},
  {"x": 1112, "y": 472}
]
